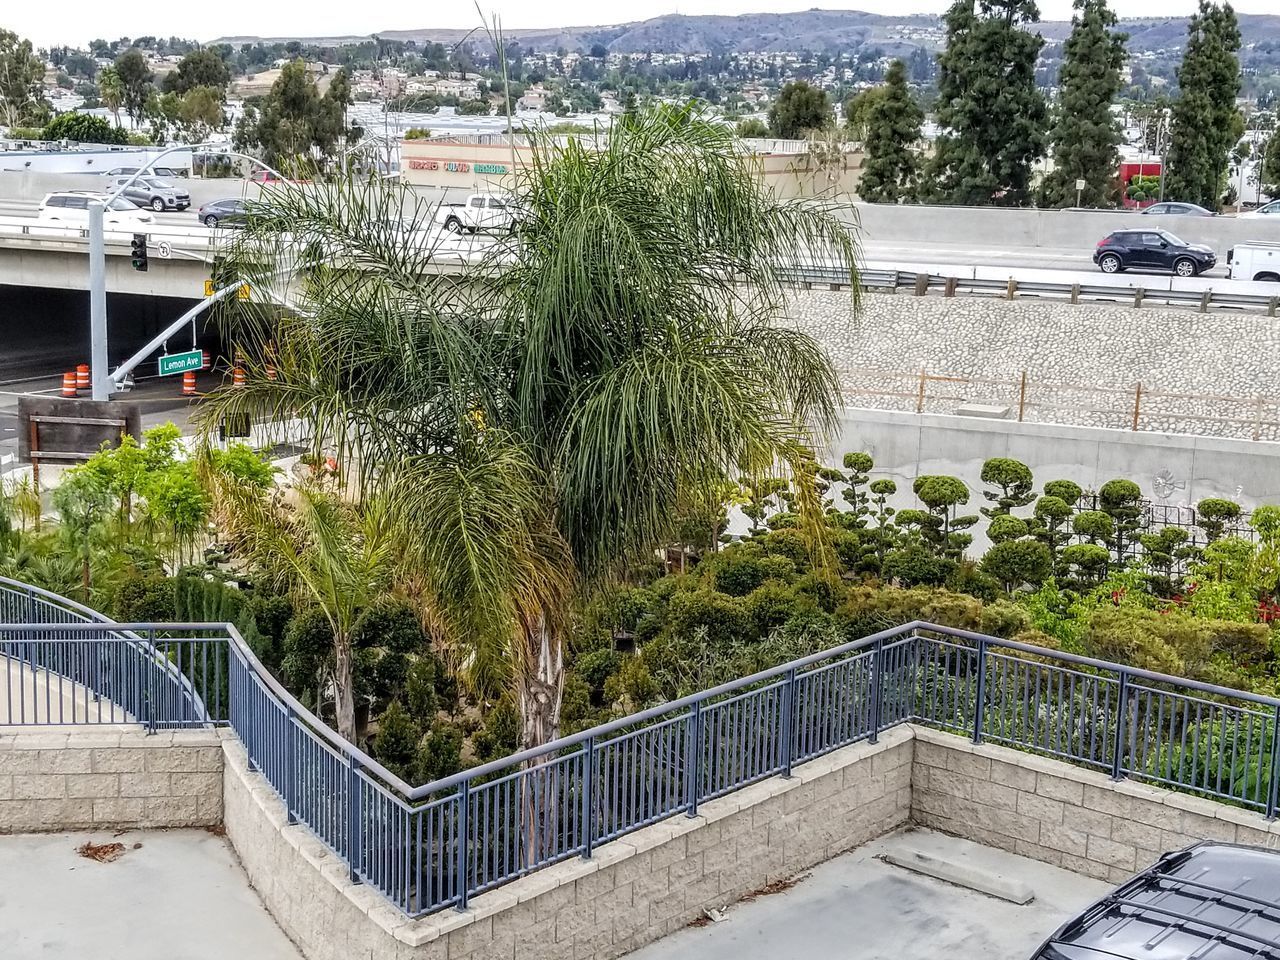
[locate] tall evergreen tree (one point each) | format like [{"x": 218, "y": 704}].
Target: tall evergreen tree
[
  {"x": 1206, "y": 121},
  {"x": 992, "y": 115},
  {"x": 1085, "y": 136},
  {"x": 892, "y": 167}
]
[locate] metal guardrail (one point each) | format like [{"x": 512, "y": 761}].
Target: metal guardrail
[{"x": 438, "y": 845}]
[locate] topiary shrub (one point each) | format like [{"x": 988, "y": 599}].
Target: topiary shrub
[
  {"x": 1093, "y": 525},
  {"x": 396, "y": 744},
  {"x": 1004, "y": 527},
  {"x": 771, "y": 605},
  {"x": 420, "y": 689},
  {"x": 1018, "y": 563},
  {"x": 724, "y": 618},
  {"x": 1013, "y": 481},
  {"x": 1065, "y": 490},
  {"x": 914, "y": 565},
  {"x": 1214, "y": 514},
  {"x": 439, "y": 754},
  {"x": 1122, "y": 501},
  {"x": 389, "y": 623},
  {"x": 968, "y": 578},
  {"x": 1086, "y": 563}
]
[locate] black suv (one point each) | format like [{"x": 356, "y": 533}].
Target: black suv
[
  {"x": 1220, "y": 901},
  {"x": 1152, "y": 250}
]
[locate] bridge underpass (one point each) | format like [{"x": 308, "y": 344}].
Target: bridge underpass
[{"x": 45, "y": 331}]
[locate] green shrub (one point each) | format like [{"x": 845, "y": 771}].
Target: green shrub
[
  {"x": 1004, "y": 527},
  {"x": 597, "y": 666},
  {"x": 1068, "y": 491},
  {"x": 439, "y": 754},
  {"x": 390, "y": 623},
  {"x": 968, "y": 578},
  {"x": 1013, "y": 481},
  {"x": 420, "y": 689},
  {"x": 724, "y": 618},
  {"x": 396, "y": 743},
  {"x": 1213, "y": 515},
  {"x": 1094, "y": 525},
  {"x": 1016, "y": 563},
  {"x": 914, "y": 566}
]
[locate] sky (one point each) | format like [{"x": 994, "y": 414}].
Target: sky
[{"x": 76, "y": 22}]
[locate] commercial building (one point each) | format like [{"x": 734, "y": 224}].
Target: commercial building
[{"x": 486, "y": 162}]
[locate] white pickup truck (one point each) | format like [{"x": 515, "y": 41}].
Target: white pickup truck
[
  {"x": 1254, "y": 261},
  {"x": 482, "y": 211}
]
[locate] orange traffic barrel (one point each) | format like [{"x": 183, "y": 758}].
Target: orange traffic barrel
[
  {"x": 69, "y": 384},
  {"x": 82, "y": 377},
  {"x": 204, "y": 359},
  {"x": 237, "y": 377},
  {"x": 189, "y": 383}
]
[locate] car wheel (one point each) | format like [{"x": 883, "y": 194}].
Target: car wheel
[
  {"x": 1267, "y": 278},
  {"x": 1185, "y": 267},
  {"x": 1109, "y": 263},
  {"x": 453, "y": 224},
  {"x": 211, "y": 221},
  {"x": 157, "y": 205}
]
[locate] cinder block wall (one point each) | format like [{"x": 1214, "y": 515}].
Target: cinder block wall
[
  {"x": 119, "y": 779},
  {"x": 1069, "y": 816},
  {"x": 631, "y": 892}
]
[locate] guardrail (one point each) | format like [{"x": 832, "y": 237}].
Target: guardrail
[
  {"x": 438, "y": 845},
  {"x": 1136, "y": 408}
]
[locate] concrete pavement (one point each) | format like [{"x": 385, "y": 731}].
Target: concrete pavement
[
  {"x": 857, "y": 907},
  {"x": 180, "y": 895}
]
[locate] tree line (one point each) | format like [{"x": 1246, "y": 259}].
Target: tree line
[{"x": 995, "y": 124}]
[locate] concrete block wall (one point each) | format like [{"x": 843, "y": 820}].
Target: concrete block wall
[
  {"x": 632, "y": 891},
  {"x": 110, "y": 778},
  {"x": 1068, "y": 816}
]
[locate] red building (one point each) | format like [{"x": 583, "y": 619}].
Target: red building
[{"x": 1137, "y": 168}]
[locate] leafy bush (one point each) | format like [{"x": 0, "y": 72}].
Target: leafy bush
[
  {"x": 1213, "y": 515},
  {"x": 1016, "y": 563}
]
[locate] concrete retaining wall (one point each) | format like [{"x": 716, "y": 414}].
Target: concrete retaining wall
[
  {"x": 85, "y": 779},
  {"x": 632, "y": 891},
  {"x": 1074, "y": 818}
]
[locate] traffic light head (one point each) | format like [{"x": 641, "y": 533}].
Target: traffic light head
[{"x": 138, "y": 250}]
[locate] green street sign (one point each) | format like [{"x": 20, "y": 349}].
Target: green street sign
[{"x": 181, "y": 362}]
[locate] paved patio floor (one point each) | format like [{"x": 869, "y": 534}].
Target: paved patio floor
[
  {"x": 180, "y": 896},
  {"x": 857, "y": 907}
]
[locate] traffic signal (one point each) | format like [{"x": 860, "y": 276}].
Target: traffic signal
[{"x": 138, "y": 248}]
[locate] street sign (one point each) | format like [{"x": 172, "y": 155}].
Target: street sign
[
  {"x": 165, "y": 249},
  {"x": 181, "y": 362},
  {"x": 209, "y": 288}
]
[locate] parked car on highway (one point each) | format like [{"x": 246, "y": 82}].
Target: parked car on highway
[
  {"x": 72, "y": 207},
  {"x": 1219, "y": 901},
  {"x": 168, "y": 173},
  {"x": 1271, "y": 210},
  {"x": 1178, "y": 209},
  {"x": 1152, "y": 250},
  {"x": 1254, "y": 261},
  {"x": 227, "y": 213},
  {"x": 482, "y": 211},
  {"x": 154, "y": 192}
]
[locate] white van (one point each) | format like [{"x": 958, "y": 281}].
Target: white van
[
  {"x": 72, "y": 207},
  {"x": 1254, "y": 261}
]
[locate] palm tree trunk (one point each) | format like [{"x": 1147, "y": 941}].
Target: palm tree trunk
[
  {"x": 541, "y": 693},
  {"x": 344, "y": 688}
]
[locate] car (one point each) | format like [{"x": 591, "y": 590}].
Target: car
[
  {"x": 1152, "y": 250},
  {"x": 1216, "y": 900},
  {"x": 265, "y": 178},
  {"x": 154, "y": 192},
  {"x": 1271, "y": 209},
  {"x": 72, "y": 206},
  {"x": 168, "y": 173},
  {"x": 228, "y": 213},
  {"x": 1254, "y": 260},
  {"x": 1169, "y": 209}
]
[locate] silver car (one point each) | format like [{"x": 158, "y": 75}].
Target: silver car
[{"x": 154, "y": 192}]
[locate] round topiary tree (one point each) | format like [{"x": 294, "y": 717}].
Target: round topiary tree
[
  {"x": 1122, "y": 501},
  {"x": 1065, "y": 490},
  {"x": 1004, "y": 528},
  {"x": 1094, "y": 525},
  {"x": 1086, "y": 563},
  {"x": 1018, "y": 562}
]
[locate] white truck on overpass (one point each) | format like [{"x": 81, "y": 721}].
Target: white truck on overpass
[{"x": 1254, "y": 261}]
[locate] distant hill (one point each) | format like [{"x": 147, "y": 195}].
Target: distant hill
[{"x": 816, "y": 30}]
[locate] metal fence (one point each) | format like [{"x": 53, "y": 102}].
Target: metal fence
[{"x": 438, "y": 845}]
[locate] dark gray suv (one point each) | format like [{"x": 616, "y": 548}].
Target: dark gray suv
[{"x": 1217, "y": 901}]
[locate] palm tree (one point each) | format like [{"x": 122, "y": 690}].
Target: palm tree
[
  {"x": 327, "y": 552},
  {"x": 536, "y": 422},
  {"x": 111, "y": 91}
]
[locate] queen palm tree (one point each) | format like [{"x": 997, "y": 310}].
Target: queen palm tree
[{"x": 537, "y": 420}]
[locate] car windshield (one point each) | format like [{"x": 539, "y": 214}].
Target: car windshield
[
  {"x": 1171, "y": 239},
  {"x": 159, "y": 184}
]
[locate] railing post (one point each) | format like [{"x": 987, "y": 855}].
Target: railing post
[
  {"x": 588, "y": 800},
  {"x": 464, "y": 801},
  {"x": 151, "y": 690},
  {"x": 788, "y": 721},
  {"x": 355, "y": 818},
  {"x": 290, "y": 774},
  {"x": 1273, "y": 784},
  {"x": 877, "y": 688},
  {"x": 1122, "y": 715},
  {"x": 693, "y": 759},
  {"x": 980, "y": 695}
]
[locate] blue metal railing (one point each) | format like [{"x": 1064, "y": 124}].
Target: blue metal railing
[{"x": 438, "y": 845}]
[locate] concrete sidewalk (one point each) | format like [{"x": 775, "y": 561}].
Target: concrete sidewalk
[
  {"x": 857, "y": 907},
  {"x": 180, "y": 896}
]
